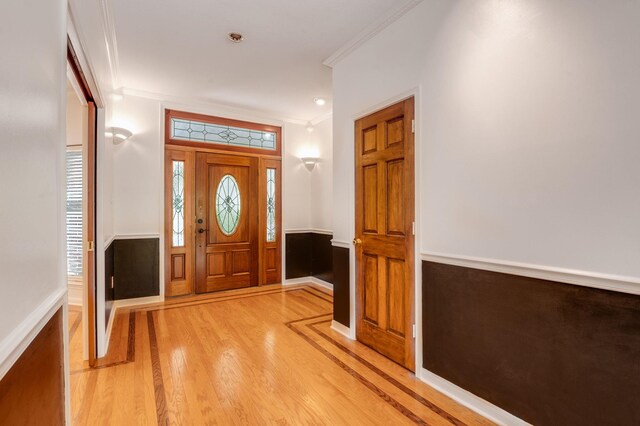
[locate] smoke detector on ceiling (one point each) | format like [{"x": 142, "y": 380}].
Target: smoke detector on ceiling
[{"x": 235, "y": 37}]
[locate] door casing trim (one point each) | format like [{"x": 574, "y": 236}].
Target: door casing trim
[{"x": 416, "y": 93}]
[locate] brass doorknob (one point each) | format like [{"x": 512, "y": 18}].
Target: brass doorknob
[{"x": 357, "y": 241}]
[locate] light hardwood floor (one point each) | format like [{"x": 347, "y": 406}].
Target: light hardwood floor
[{"x": 263, "y": 356}]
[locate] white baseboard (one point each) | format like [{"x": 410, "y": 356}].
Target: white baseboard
[
  {"x": 618, "y": 283},
  {"x": 75, "y": 294},
  {"x": 305, "y": 280},
  {"x": 21, "y": 337},
  {"x": 108, "y": 332},
  {"x": 342, "y": 329},
  {"x": 469, "y": 400},
  {"x": 126, "y": 303}
]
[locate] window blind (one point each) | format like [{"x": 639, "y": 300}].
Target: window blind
[{"x": 74, "y": 213}]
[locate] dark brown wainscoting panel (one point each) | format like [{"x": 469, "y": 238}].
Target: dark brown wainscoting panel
[
  {"x": 309, "y": 254},
  {"x": 548, "y": 352},
  {"x": 109, "y": 297},
  {"x": 136, "y": 268},
  {"x": 341, "y": 312},
  {"x": 298, "y": 255},
  {"x": 32, "y": 392},
  {"x": 322, "y": 257}
]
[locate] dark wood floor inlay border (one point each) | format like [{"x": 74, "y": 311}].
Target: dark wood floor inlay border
[
  {"x": 371, "y": 386},
  {"x": 131, "y": 348},
  {"x": 74, "y": 326},
  {"x": 422, "y": 400},
  {"x": 226, "y": 298},
  {"x": 158, "y": 383}
]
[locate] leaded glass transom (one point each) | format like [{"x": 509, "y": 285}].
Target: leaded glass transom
[
  {"x": 177, "y": 205},
  {"x": 197, "y": 131},
  {"x": 228, "y": 204},
  {"x": 271, "y": 205}
]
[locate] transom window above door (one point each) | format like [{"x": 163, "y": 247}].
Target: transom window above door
[{"x": 189, "y": 129}]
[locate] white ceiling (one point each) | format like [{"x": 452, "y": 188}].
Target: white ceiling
[{"x": 180, "y": 49}]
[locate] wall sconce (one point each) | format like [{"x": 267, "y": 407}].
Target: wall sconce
[
  {"x": 118, "y": 134},
  {"x": 309, "y": 162},
  {"x": 309, "y": 127}
]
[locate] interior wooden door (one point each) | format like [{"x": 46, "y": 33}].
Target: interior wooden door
[
  {"x": 384, "y": 240},
  {"x": 90, "y": 230},
  {"x": 226, "y": 222}
]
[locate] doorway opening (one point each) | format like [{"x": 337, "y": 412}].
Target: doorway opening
[
  {"x": 222, "y": 204},
  {"x": 81, "y": 208},
  {"x": 384, "y": 240}
]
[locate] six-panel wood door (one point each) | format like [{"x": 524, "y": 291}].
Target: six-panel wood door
[
  {"x": 384, "y": 241},
  {"x": 226, "y": 248}
]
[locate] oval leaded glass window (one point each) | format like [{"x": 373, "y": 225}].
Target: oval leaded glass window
[{"x": 228, "y": 204}]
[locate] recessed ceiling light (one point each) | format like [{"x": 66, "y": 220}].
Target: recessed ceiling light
[
  {"x": 320, "y": 101},
  {"x": 235, "y": 37}
]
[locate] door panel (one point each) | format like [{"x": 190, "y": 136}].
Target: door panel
[
  {"x": 395, "y": 198},
  {"x": 179, "y": 242},
  {"x": 270, "y": 225},
  {"x": 227, "y": 218},
  {"x": 370, "y": 194},
  {"x": 384, "y": 232},
  {"x": 370, "y": 272}
]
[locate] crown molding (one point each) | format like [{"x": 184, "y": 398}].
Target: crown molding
[
  {"x": 369, "y": 32},
  {"x": 321, "y": 118},
  {"x": 110, "y": 41}
]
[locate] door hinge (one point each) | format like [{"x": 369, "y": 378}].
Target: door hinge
[
  {"x": 414, "y": 331},
  {"x": 89, "y": 245},
  {"x": 413, "y": 228},
  {"x": 413, "y": 126}
]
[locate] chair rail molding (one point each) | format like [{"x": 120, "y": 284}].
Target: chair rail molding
[
  {"x": 340, "y": 243},
  {"x": 21, "y": 337},
  {"x": 610, "y": 282}
]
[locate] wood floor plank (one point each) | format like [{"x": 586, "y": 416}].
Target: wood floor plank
[{"x": 261, "y": 356}]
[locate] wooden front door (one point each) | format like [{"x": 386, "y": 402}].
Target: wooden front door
[
  {"x": 226, "y": 222},
  {"x": 384, "y": 240}
]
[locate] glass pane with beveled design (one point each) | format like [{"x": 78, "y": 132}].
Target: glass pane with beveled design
[
  {"x": 220, "y": 134},
  {"x": 271, "y": 205},
  {"x": 228, "y": 204},
  {"x": 177, "y": 205}
]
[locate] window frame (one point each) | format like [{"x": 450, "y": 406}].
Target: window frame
[{"x": 77, "y": 279}]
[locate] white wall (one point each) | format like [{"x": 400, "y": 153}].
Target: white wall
[
  {"x": 296, "y": 196},
  {"x": 308, "y": 193},
  {"x": 138, "y": 168},
  {"x": 527, "y": 122},
  {"x": 322, "y": 177},
  {"x": 32, "y": 125}
]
